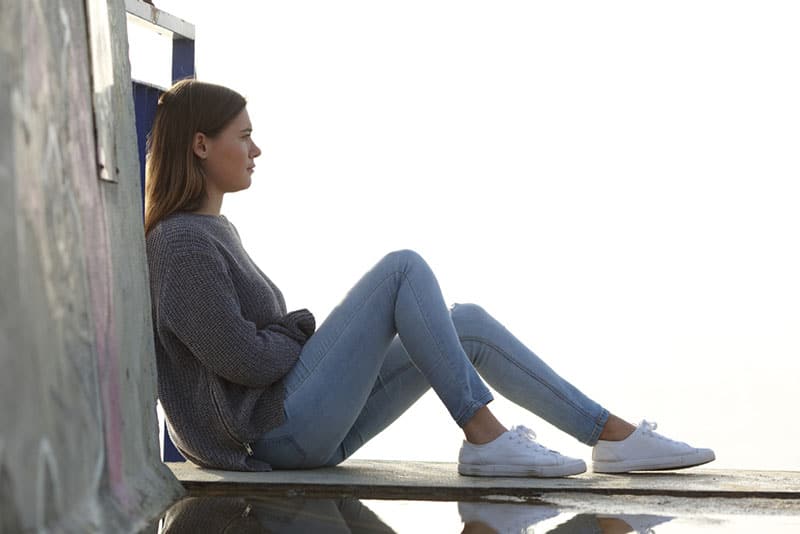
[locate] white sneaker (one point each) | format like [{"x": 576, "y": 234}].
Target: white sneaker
[
  {"x": 505, "y": 518},
  {"x": 646, "y": 450},
  {"x": 515, "y": 454}
]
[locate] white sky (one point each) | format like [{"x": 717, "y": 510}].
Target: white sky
[{"x": 616, "y": 181}]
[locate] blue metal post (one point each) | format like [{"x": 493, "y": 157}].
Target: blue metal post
[
  {"x": 145, "y": 99},
  {"x": 182, "y": 58}
]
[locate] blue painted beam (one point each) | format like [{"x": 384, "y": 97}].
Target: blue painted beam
[
  {"x": 145, "y": 98},
  {"x": 182, "y": 58},
  {"x": 145, "y": 102}
]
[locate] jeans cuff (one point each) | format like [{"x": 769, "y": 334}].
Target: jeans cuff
[
  {"x": 467, "y": 414},
  {"x": 599, "y": 425}
]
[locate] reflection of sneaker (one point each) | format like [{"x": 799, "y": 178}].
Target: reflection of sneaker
[
  {"x": 504, "y": 517},
  {"x": 641, "y": 523},
  {"x": 582, "y": 523},
  {"x": 646, "y": 450},
  {"x": 515, "y": 454}
]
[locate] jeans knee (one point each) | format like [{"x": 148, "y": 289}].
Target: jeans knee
[
  {"x": 467, "y": 312},
  {"x": 404, "y": 257}
]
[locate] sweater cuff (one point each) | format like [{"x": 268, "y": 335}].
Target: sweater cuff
[{"x": 300, "y": 325}]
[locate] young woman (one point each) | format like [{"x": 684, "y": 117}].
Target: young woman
[{"x": 246, "y": 385}]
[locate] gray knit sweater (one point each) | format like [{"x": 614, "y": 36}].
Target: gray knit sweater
[{"x": 223, "y": 340}]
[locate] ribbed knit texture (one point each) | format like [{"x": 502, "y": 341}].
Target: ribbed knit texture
[{"x": 223, "y": 340}]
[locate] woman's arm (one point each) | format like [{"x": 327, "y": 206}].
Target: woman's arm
[{"x": 199, "y": 305}]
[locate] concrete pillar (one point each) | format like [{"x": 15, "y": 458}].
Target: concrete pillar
[{"x": 78, "y": 430}]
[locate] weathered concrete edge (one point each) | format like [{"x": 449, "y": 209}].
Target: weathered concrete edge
[
  {"x": 439, "y": 493},
  {"x": 436, "y": 481}
]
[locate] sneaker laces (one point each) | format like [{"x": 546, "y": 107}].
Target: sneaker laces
[
  {"x": 528, "y": 437},
  {"x": 649, "y": 428},
  {"x": 524, "y": 431}
]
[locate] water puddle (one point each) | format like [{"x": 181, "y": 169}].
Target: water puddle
[{"x": 570, "y": 515}]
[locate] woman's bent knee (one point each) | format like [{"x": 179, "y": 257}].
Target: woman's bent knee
[
  {"x": 405, "y": 254},
  {"x": 403, "y": 258},
  {"x": 472, "y": 320},
  {"x": 467, "y": 313}
]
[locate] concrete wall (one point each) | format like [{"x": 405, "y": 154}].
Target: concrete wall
[{"x": 78, "y": 431}]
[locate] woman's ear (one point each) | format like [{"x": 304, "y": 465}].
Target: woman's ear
[{"x": 200, "y": 145}]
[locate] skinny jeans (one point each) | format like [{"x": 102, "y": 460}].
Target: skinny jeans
[{"x": 389, "y": 341}]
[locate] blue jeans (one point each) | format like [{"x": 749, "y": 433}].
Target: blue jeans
[{"x": 384, "y": 345}]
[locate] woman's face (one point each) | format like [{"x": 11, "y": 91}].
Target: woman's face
[{"x": 229, "y": 157}]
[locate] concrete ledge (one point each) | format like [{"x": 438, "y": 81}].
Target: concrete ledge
[{"x": 440, "y": 481}]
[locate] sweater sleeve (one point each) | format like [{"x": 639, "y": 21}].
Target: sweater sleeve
[{"x": 198, "y": 303}]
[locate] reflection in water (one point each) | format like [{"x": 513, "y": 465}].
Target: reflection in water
[
  {"x": 610, "y": 524},
  {"x": 479, "y": 517},
  {"x": 488, "y": 518},
  {"x": 279, "y": 515},
  {"x": 229, "y": 514}
]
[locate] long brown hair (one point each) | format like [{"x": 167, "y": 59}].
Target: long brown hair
[{"x": 175, "y": 180}]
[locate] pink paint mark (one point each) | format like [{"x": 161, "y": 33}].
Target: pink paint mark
[
  {"x": 108, "y": 367},
  {"x": 100, "y": 279},
  {"x": 101, "y": 284}
]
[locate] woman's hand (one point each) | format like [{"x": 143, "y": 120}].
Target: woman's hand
[{"x": 300, "y": 325}]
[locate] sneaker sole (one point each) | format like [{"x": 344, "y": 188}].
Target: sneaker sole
[
  {"x": 544, "y": 471},
  {"x": 681, "y": 461}
]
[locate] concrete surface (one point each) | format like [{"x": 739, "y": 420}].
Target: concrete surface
[
  {"x": 440, "y": 481},
  {"x": 78, "y": 430}
]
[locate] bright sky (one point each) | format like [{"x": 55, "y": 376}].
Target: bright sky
[{"x": 616, "y": 181}]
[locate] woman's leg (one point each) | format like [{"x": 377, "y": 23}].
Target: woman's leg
[
  {"x": 330, "y": 384},
  {"x": 516, "y": 372},
  {"x": 508, "y": 365},
  {"x": 399, "y": 385},
  {"x": 519, "y": 375}
]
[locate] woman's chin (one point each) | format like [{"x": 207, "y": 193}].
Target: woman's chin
[{"x": 246, "y": 183}]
